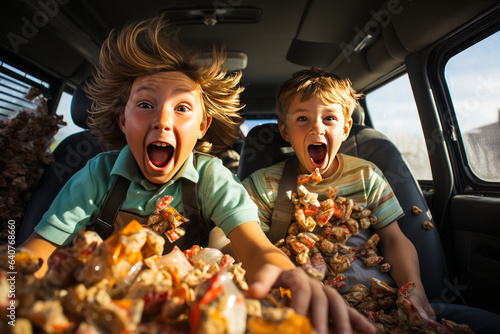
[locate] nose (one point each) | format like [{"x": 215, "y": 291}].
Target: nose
[
  {"x": 163, "y": 121},
  {"x": 317, "y": 128}
]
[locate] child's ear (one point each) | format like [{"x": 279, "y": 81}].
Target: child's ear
[
  {"x": 121, "y": 121},
  {"x": 347, "y": 129},
  {"x": 204, "y": 125},
  {"x": 283, "y": 131}
]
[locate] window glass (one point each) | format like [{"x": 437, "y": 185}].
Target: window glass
[
  {"x": 473, "y": 79},
  {"x": 64, "y": 109},
  {"x": 393, "y": 112},
  {"x": 15, "y": 91},
  {"x": 248, "y": 124}
]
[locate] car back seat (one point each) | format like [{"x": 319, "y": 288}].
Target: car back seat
[
  {"x": 70, "y": 156},
  {"x": 264, "y": 146}
]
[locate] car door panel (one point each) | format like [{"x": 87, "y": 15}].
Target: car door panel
[{"x": 475, "y": 248}]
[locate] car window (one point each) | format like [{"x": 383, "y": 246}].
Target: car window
[
  {"x": 248, "y": 124},
  {"x": 473, "y": 81},
  {"x": 16, "y": 91},
  {"x": 393, "y": 112}
]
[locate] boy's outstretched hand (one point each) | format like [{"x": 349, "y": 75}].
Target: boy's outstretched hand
[
  {"x": 309, "y": 296},
  {"x": 421, "y": 303}
]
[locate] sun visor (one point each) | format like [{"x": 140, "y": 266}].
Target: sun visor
[
  {"x": 326, "y": 28},
  {"x": 318, "y": 54}
]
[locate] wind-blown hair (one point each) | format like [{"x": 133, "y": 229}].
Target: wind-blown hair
[
  {"x": 148, "y": 47},
  {"x": 328, "y": 87}
]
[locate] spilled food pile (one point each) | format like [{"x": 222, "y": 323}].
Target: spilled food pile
[
  {"x": 316, "y": 240},
  {"x": 24, "y": 139},
  {"x": 125, "y": 285}
]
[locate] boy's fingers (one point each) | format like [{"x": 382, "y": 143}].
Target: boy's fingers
[
  {"x": 424, "y": 309},
  {"x": 297, "y": 282},
  {"x": 319, "y": 308},
  {"x": 360, "y": 322},
  {"x": 263, "y": 281},
  {"x": 310, "y": 295},
  {"x": 346, "y": 318},
  {"x": 339, "y": 312}
]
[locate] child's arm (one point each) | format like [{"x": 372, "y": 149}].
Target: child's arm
[
  {"x": 398, "y": 250},
  {"x": 254, "y": 249},
  {"x": 267, "y": 266},
  {"x": 42, "y": 248}
]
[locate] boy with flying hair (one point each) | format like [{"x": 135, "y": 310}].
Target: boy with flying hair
[{"x": 156, "y": 108}]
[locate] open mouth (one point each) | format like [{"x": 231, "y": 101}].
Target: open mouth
[
  {"x": 317, "y": 152},
  {"x": 160, "y": 154}
]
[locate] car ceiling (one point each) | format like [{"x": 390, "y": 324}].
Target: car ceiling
[{"x": 279, "y": 37}]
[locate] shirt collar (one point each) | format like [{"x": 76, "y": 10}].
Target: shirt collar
[
  {"x": 188, "y": 171},
  {"x": 127, "y": 167}
]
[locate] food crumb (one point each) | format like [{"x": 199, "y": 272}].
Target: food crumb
[
  {"x": 416, "y": 210},
  {"x": 428, "y": 225}
]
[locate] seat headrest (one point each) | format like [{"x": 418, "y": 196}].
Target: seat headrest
[
  {"x": 358, "y": 115},
  {"x": 81, "y": 104},
  {"x": 262, "y": 147}
]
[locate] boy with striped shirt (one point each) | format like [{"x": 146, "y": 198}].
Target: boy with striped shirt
[{"x": 314, "y": 115}]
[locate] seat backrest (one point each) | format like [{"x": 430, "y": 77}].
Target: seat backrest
[
  {"x": 264, "y": 146},
  {"x": 70, "y": 156}
]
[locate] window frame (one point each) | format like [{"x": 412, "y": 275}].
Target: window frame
[
  {"x": 466, "y": 182},
  {"x": 56, "y": 85}
]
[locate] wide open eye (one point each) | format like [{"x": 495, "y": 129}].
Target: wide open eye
[
  {"x": 183, "y": 108},
  {"x": 145, "y": 105},
  {"x": 330, "y": 118}
]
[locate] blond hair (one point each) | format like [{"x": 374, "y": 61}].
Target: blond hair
[
  {"x": 328, "y": 87},
  {"x": 148, "y": 47}
]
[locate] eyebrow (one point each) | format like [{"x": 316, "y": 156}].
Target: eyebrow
[
  {"x": 141, "y": 88},
  {"x": 153, "y": 88},
  {"x": 298, "y": 110},
  {"x": 303, "y": 110}
]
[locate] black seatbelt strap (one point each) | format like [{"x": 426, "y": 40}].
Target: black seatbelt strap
[
  {"x": 283, "y": 207},
  {"x": 196, "y": 230},
  {"x": 112, "y": 205}
]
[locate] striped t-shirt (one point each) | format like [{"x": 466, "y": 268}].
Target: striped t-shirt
[{"x": 356, "y": 179}]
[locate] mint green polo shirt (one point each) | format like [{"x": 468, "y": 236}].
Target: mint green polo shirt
[{"x": 222, "y": 198}]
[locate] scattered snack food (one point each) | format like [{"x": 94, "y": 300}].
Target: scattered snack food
[
  {"x": 316, "y": 239},
  {"x": 24, "y": 139},
  {"x": 416, "y": 210},
  {"x": 125, "y": 285},
  {"x": 166, "y": 220},
  {"x": 427, "y": 225},
  {"x": 404, "y": 318}
]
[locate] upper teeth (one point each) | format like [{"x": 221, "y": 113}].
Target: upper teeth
[{"x": 160, "y": 144}]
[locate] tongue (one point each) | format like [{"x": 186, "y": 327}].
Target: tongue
[
  {"x": 317, "y": 153},
  {"x": 160, "y": 156}
]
